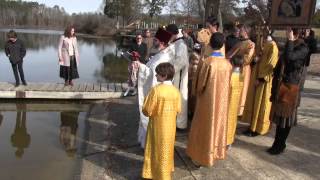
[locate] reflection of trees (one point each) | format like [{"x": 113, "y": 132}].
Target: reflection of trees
[
  {"x": 68, "y": 131},
  {"x": 37, "y": 41},
  {"x": 20, "y": 138},
  {"x": 33, "y": 41},
  {"x": 115, "y": 69}
]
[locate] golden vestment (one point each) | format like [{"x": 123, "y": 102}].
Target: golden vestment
[
  {"x": 258, "y": 105},
  {"x": 207, "y": 136},
  {"x": 162, "y": 105},
  {"x": 236, "y": 85},
  {"x": 246, "y": 50}
]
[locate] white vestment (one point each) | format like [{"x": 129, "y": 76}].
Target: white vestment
[
  {"x": 146, "y": 80},
  {"x": 180, "y": 61}
]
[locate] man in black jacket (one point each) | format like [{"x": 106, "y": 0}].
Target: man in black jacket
[
  {"x": 16, "y": 51},
  {"x": 140, "y": 47}
]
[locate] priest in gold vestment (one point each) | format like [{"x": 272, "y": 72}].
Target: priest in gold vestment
[
  {"x": 207, "y": 137},
  {"x": 162, "y": 105},
  {"x": 258, "y": 105},
  {"x": 204, "y": 35},
  {"x": 244, "y": 48},
  {"x": 236, "y": 86}
]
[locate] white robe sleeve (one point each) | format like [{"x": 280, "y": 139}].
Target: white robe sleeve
[{"x": 180, "y": 60}]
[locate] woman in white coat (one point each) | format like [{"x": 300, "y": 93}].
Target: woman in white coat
[{"x": 68, "y": 56}]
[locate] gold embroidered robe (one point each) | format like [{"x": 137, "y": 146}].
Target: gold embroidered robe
[
  {"x": 258, "y": 105},
  {"x": 246, "y": 50},
  {"x": 236, "y": 86},
  {"x": 207, "y": 136},
  {"x": 162, "y": 106}
]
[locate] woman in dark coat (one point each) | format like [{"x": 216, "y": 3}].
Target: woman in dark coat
[
  {"x": 285, "y": 89},
  {"x": 68, "y": 56}
]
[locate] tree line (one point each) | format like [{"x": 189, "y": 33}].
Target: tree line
[
  {"x": 34, "y": 15},
  {"x": 117, "y": 13}
]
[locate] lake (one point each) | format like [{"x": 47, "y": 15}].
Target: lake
[
  {"x": 99, "y": 58},
  {"x": 42, "y": 139}
]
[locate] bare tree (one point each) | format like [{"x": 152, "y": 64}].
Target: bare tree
[{"x": 155, "y": 6}]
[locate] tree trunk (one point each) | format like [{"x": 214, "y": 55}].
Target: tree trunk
[
  {"x": 213, "y": 9},
  {"x": 201, "y": 8},
  {"x": 220, "y": 16}
]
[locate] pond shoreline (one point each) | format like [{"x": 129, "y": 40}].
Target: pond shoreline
[{"x": 56, "y": 31}]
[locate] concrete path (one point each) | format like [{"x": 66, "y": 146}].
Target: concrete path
[{"x": 112, "y": 151}]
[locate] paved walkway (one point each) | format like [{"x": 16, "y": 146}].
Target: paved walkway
[{"x": 112, "y": 151}]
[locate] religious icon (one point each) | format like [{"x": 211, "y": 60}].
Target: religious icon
[
  {"x": 293, "y": 13},
  {"x": 290, "y": 8}
]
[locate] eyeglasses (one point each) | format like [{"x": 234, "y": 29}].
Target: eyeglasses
[{"x": 138, "y": 38}]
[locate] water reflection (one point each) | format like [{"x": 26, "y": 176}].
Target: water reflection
[
  {"x": 32, "y": 41},
  {"x": 20, "y": 138},
  {"x": 68, "y": 132},
  {"x": 114, "y": 69},
  {"x": 41, "y": 61}
]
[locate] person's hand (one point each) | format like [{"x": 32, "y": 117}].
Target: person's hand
[
  {"x": 251, "y": 45},
  {"x": 290, "y": 34}
]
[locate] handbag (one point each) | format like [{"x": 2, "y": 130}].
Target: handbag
[{"x": 287, "y": 99}]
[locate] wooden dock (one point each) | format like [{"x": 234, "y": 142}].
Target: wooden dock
[{"x": 59, "y": 91}]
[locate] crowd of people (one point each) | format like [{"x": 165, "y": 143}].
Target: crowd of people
[
  {"x": 206, "y": 79},
  {"x": 231, "y": 77}
]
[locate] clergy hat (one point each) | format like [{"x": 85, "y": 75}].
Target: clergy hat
[
  {"x": 173, "y": 29},
  {"x": 163, "y": 35},
  {"x": 204, "y": 36},
  {"x": 217, "y": 41}
]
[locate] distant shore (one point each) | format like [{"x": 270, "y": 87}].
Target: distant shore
[{"x": 42, "y": 30}]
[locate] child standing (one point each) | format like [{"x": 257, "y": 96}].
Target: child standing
[
  {"x": 133, "y": 68},
  {"x": 192, "y": 72},
  {"x": 236, "y": 85},
  {"x": 162, "y": 105},
  {"x": 16, "y": 51}
]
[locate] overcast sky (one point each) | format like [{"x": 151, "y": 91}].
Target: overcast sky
[{"x": 73, "y": 6}]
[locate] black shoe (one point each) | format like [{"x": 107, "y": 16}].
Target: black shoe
[
  {"x": 276, "y": 150},
  {"x": 24, "y": 83},
  {"x": 182, "y": 130},
  {"x": 250, "y": 133},
  {"x": 17, "y": 84}
]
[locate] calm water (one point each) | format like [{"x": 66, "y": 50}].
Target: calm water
[
  {"x": 41, "y": 141},
  {"x": 98, "y": 58},
  {"x": 38, "y": 145}
]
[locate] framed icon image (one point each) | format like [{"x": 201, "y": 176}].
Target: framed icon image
[{"x": 293, "y": 13}]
